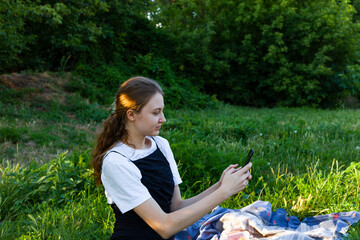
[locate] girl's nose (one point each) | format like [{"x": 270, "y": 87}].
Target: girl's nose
[{"x": 162, "y": 118}]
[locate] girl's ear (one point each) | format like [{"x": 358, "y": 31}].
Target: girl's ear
[{"x": 130, "y": 115}]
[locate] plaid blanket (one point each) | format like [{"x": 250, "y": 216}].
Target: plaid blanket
[{"x": 262, "y": 223}]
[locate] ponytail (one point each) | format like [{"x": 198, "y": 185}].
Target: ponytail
[
  {"x": 113, "y": 132},
  {"x": 132, "y": 94}
]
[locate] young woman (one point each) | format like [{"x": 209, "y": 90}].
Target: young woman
[{"x": 139, "y": 173}]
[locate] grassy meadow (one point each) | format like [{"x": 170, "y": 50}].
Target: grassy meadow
[{"x": 306, "y": 161}]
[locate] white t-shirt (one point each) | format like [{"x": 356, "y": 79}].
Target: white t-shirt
[{"x": 122, "y": 179}]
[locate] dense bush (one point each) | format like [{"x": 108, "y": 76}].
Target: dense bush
[
  {"x": 266, "y": 53},
  {"x": 57, "y": 35},
  {"x": 356, "y": 4},
  {"x": 105, "y": 42},
  {"x": 260, "y": 53},
  {"x": 100, "y": 84},
  {"x": 13, "y": 41}
]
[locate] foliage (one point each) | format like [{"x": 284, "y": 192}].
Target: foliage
[
  {"x": 97, "y": 84},
  {"x": 13, "y": 41},
  {"x": 57, "y": 35},
  {"x": 100, "y": 84},
  {"x": 40, "y": 201},
  {"x": 356, "y": 4},
  {"x": 352, "y": 78},
  {"x": 259, "y": 53},
  {"x": 265, "y": 53},
  {"x": 179, "y": 92},
  {"x": 26, "y": 190}
]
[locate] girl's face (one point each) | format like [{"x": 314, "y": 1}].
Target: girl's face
[{"x": 148, "y": 121}]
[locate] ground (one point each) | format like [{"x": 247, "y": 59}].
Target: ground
[
  {"x": 43, "y": 86},
  {"x": 27, "y": 135}
]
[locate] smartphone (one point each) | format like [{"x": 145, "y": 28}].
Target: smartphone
[{"x": 247, "y": 160}]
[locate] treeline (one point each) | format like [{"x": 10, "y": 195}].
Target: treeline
[{"x": 257, "y": 53}]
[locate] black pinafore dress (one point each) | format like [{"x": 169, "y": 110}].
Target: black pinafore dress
[{"x": 158, "y": 179}]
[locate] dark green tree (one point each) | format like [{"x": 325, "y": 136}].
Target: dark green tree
[
  {"x": 265, "y": 53},
  {"x": 45, "y": 34},
  {"x": 356, "y": 5}
]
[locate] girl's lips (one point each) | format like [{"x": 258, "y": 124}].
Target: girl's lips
[{"x": 158, "y": 128}]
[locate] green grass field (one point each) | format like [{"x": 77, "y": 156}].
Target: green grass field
[{"x": 306, "y": 161}]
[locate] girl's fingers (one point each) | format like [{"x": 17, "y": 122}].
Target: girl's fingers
[
  {"x": 231, "y": 170},
  {"x": 246, "y": 182},
  {"x": 238, "y": 169},
  {"x": 237, "y": 179},
  {"x": 244, "y": 169},
  {"x": 231, "y": 166},
  {"x": 244, "y": 177}
]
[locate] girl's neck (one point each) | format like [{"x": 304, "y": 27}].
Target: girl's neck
[{"x": 139, "y": 142}]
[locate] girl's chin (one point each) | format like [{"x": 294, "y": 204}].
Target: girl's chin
[{"x": 155, "y": 133}]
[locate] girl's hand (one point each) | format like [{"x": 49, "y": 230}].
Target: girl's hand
[
  {"x": 235, "y": 180},
  {"x": 225, "y": 171}
]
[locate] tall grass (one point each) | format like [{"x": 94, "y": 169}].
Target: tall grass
[
  {"x": 56, "y": 200},
  {"x": 306, "y": 161}
]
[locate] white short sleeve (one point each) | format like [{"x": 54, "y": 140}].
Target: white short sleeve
[{"x": 122, "y": 182}]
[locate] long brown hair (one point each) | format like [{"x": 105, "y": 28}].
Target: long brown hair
[{"x": 133, "y": 94}]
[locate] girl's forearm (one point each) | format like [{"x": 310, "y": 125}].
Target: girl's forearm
[
  {"x": 168, "y": 224},
  {"x": 192, "y": 200},
  {"x": 189, "y": 214}
]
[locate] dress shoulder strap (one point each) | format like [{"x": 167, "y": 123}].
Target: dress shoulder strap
[
  {"x": 155, "y": 142},
  {"x": 126, "y": 156},
  {"x": 117, "y": 153}
]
